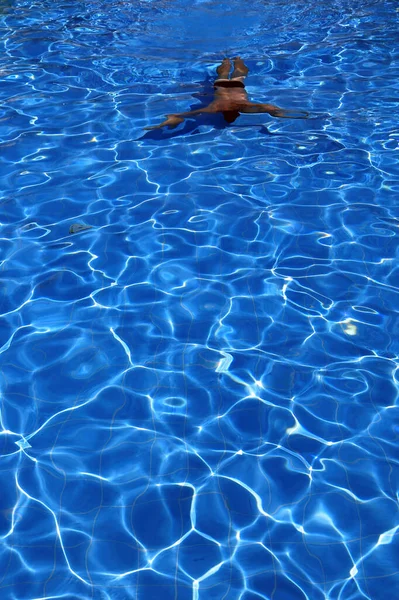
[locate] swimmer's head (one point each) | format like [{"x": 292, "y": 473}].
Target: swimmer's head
[{"x": 230, "y": 115}]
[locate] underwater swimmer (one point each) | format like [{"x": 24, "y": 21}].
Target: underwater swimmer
[{"x": 231, "y": 99}]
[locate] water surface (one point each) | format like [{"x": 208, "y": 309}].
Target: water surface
[{"x": 198, "y": 393}]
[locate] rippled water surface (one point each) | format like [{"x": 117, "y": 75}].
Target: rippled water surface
[{"x": 198, "y": 392}]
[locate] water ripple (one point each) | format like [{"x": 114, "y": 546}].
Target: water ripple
[{"x": 199, "y": 383}]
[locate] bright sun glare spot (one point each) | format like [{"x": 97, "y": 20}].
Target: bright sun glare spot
[
  {"x": 353, "y": 571},
  {"x": 291, "y": 430},
  {"x": 349, "y": 327},
  {"x": 300, "y": 529}
]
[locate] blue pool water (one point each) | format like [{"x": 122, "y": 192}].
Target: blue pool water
[{"x": 199, "y": 393}]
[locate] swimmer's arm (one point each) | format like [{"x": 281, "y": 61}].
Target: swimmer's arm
[
  {"x": 173, "y": 120},
  {"x": 275, "y": 111}
]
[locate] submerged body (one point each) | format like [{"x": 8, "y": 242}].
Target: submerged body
[{"x": 231, "y": 99}]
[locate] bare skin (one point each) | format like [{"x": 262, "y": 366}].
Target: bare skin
[{"x": 231, "y": 99}]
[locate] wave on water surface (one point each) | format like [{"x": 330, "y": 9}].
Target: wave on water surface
[{"x": 198, "y": 337}]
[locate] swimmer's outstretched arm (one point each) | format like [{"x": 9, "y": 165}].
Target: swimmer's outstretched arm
[
  {"x": 174, "y": 120},
  {"x": 274, "y": 111}
]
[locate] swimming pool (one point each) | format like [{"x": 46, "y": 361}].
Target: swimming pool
[{"x": 199, "y": 389}]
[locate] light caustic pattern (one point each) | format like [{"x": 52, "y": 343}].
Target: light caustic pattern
[{"x": 199, "y": 393}]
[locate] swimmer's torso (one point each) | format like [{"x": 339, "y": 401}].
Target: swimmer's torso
[{"x": 230, "y": 98}]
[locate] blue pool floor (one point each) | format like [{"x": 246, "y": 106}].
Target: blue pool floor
[{"x": 198, "y": 326}]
